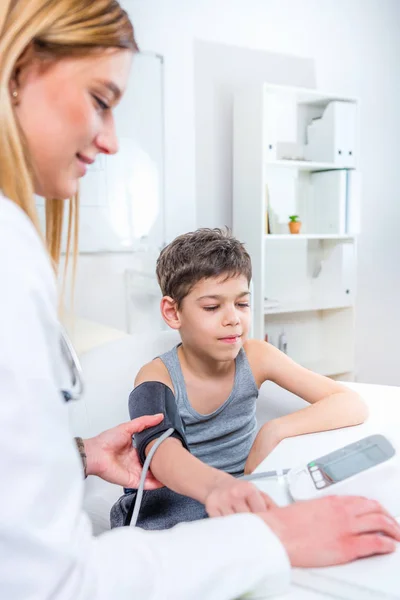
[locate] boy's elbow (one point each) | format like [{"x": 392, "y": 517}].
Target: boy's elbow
[{"x": 359, "y": 410}]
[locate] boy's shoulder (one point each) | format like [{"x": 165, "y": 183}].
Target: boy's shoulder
[
  {"x": 255, "y": 348},
  {"x": 259, "y": 355},
  {"x": 155, "y": 370}
]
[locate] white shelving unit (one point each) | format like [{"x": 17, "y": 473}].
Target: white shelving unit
[
  {"x": 309, "y": 236},
  {"x": 304, "y": 285},
  {"x": 304, "y": 165}
]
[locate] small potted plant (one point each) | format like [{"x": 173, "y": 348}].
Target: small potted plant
[{"x": 294, "y": 224}]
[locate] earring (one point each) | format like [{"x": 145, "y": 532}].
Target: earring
[{"x": 15, "y": 97}]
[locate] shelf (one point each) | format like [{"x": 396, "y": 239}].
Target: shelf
[
  {"x": 309, "y": 277},
  {"x": 303, "y": 307},
  {"x": 307, "y": 95},
  {"x": 329, "y": 367},
  {"x": 306, "y": 165},
  {"x": 309, "y": 236}
]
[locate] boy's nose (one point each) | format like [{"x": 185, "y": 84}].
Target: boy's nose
[{"x": 231, "y": 317}]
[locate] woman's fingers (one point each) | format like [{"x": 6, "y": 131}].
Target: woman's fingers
[
  {"x": 370, "y": 544},
  {"x": 358, "y": 505},
  {"x": 141, "y": 423},
  {"x": 378, "y": 523},
  {"x": 151, "y": 483}
]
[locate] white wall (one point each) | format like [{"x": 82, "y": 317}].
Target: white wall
[
  {"x": 219, "y": 70},
  {"x": 355, "y": 45}
]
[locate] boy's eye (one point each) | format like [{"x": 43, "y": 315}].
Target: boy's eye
[
  {"x": 210, "y": 308},
  {"x": 100, "y": 103},
  {"x": 244, "y": 304}
]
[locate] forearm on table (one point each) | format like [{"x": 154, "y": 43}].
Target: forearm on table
[
  {"x": 343, "y": 409},
  {"x": 182, "y": 472}
]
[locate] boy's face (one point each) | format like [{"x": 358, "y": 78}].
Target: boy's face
[{"x": 215, "y": 316}]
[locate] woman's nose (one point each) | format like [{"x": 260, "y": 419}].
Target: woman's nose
[{"x": 107, "y": 141}]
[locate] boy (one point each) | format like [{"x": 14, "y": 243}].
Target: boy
[{"x": 215, "y": 375}]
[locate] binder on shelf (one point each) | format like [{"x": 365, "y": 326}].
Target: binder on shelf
[
  {"x": 353, "y": 214},
  {"x": 327, "y": 208},
  {"x": 332, "y": 137}
]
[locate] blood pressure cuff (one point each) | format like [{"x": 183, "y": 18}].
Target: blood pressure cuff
[{"x": 151, "y": 398}]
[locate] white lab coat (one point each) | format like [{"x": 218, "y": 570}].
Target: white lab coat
[{"x": 46, "y": 545}]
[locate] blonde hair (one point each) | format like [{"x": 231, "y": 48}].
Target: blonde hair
[{"x": 48, "y": 29}]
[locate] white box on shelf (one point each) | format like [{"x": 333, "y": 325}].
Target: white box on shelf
[
  {"x": 289, "y": 151},
  {"x": 332, "y": 137},
  {"x": 280, "y": 123}
]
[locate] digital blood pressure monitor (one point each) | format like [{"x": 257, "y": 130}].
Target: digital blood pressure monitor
[{"x": 368, "y": 467}]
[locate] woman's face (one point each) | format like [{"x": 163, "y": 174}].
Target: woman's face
[{"x": 65, "y": 111}]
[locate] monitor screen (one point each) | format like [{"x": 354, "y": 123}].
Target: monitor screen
[{"x": 352, "y": 463}]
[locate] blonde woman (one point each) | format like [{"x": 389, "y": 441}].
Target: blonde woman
[{"x": 64, "y": 65}]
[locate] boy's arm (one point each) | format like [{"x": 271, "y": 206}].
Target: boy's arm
[
  {"x": 182, "y": 472},
  {"x": 332, "y": 405},
  {"x": 185, "y": 474}
]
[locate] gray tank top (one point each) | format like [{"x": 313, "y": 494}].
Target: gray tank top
[{"x": 221, "y": 439}]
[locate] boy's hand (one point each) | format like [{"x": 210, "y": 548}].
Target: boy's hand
[{"x": 234, "y": 496}]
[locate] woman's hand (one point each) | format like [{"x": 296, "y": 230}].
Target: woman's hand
[
  {"x": 333, "y": 530},
  {"x": 111, "y": 456}
]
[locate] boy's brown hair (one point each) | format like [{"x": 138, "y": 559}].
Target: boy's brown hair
[{"x": 199, "y": 255}]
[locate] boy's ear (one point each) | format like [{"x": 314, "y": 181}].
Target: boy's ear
[{"x": 170, "y": 313}]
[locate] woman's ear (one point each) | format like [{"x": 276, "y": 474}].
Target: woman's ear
[
  {"x": 170, "y": 313},
  {"x": 27, "y": 67},
  {"x": 14, "y": 90}
]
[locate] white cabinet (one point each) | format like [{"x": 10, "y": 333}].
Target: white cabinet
[{"x": 304, "y": 284}]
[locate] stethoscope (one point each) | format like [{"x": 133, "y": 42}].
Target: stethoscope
[{"x": 74, "y": 367}]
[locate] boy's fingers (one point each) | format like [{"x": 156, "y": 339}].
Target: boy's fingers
[
  {"x": 241, "y": 507},
  {"x": 269, "y": 503},
  {"x": 227, "y": 510},
  {"x": 256, "y": 502}
]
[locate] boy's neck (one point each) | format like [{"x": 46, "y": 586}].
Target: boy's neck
[{"x": 203, "y": 366}]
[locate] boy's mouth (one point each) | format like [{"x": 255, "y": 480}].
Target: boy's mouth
[{"x": 230, "y": 339}]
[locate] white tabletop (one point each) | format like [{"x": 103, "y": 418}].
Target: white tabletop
[{"x": 384, "y": 406}]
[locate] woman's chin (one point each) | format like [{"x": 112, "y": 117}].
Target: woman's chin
[{"x": 64, "y": 192}]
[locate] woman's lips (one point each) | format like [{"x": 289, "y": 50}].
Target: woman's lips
[
  {"x": 85, "y": 159},
  {"x": 83, "y": 162}
]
